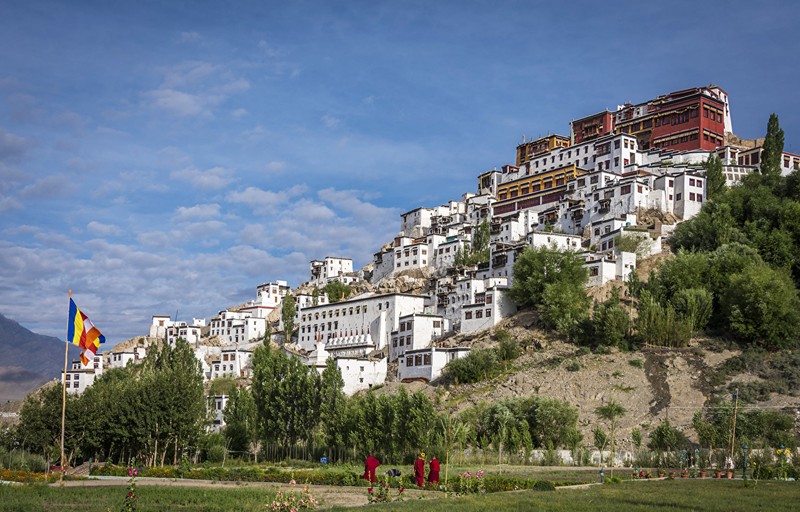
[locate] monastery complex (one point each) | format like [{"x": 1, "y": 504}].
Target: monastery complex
[{"x": 636, "y": 172}]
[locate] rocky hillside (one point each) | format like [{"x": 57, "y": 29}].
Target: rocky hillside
[{"x": 652, "y": 384}]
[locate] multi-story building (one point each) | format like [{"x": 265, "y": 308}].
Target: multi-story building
[
  {"x": 332, "y": 269},
  {"x": 696, "y": 118},
  {"x": 233, "y": 362},
  {"x": 362, "y": 323},
  {"x": 416, "y": 331},
  {"x": 80, "y": 377},
  {"x": 237, "y": 327},
  {"x": 426, "y": 364},
  {"x": 528, "y": 150},
  {"x": 191, "y": 333},
  {"x": 268, "y": 298}
]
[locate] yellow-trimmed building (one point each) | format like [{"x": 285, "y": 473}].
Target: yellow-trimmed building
[
  {"x": 535, "y": 189},
  {"x": 527, "y": 150}
]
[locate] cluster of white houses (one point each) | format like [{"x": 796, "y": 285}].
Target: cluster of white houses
[{"x": 579, "y": 193}]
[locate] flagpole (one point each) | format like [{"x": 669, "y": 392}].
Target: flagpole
[{"x": 64, "y": 396}]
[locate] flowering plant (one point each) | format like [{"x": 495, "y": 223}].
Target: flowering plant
[
  {"x": 130, "y": 499},
  {"x": 469, "y": 483},
  {"x": 293, "y": 501},
  {"x": 382, "y": 492}
]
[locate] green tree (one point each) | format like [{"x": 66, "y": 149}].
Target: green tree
[
  {"x": 286, "y": 393},
  {"x": 600, "y": 439},
  {"x": 611, "y": 322},
  {"x": 241, "y": 422},
  {"x": 539, "y": 266},
  {"x": 762, "y": 307},
  {"x": 773, "y": 148},
  {"x": 288, "y": 311},
  {"x": 331, "y": 404},
  {"x": 336, "y": 291},
  {"x": 666, "y": 438},
  {"x": 565, "y": 306},
  {"x": 715, "y": 178},
  {"x": 611, "y": 412}
]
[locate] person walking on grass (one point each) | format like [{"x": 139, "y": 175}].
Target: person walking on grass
[{"x": 419, "y": 470}]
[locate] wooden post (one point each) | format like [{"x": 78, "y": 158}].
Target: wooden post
[{"x": 64, "y": 394}]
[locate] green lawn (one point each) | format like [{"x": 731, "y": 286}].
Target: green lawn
[
  {"x": 41, "y": 498},
  {"x": 683, "y": 495}
]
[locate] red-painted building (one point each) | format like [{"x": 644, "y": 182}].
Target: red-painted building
[
  {"x": 683, "y": 120},
  {"x": 591, "y": 127}
]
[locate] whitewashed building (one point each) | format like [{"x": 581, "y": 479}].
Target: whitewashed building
[
  {"x": 191, "y": 333},
  {"x": 216, "y": 406},
  {"x": 416, "y": 331},
  {"x": 426, "y": 364},
  {"x": 233, "y": 362},
  {"x": 363, "y": 320},
  {"x": 80, "y": 377},
  {"x": 237, "y": 327},
  {"x": 331, "y": 269},
  {"x": 268, "y": 298},
  {"x": 490, "y": 306}
]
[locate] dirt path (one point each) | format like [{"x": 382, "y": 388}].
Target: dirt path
[{"x": 327, "y": 495}]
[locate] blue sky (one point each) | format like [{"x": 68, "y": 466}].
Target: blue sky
[{"x": 170, "y": 156}]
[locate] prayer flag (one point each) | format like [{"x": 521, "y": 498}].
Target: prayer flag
[{"x": 82, "y": 332}]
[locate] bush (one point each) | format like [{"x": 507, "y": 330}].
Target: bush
[
  {"x": 544, "y": 485},
  {"x": 216, "y": 453},
  {"x": 476, "y": 366},
  {"x": 573, "y": 366},
  {"x": 22, "y": 460}
]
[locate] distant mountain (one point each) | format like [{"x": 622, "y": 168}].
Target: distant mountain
[{"x": 28, "y": 359}]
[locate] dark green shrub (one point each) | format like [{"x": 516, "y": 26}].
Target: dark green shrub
[{"x": 544, "y": 485}]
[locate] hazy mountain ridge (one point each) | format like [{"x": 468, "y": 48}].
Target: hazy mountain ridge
[{"x": 29, "y": 359}]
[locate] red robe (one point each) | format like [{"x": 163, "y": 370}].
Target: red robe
[
  {"x": 369, "y": 469},
  {"x": 433, "y": 476},
  {"x": 419, "y": 471}
]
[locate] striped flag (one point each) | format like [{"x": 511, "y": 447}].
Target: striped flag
[{"x": 82, "y": 332}]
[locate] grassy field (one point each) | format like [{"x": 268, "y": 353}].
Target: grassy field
[
  {"x": 41, "y": 498},
  {"x": 685, "y": 495}
]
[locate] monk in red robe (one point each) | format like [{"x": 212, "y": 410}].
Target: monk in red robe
[
  {"x": 419, "y": 470},
  {"x": 369, "y": 469},
  {"x": 433, "y": 474}
]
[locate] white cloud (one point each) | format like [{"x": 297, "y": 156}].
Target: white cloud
[
  {"x": 100, "y": 229},
  {"x": 330, "y": 121},
  {"x": 197, "y": 212},
  {"x": 194, "y": 89},
  {"x": 264, "y": 201},
  {"x": 275, "y": 166},
  {"x": 12, "y": 146},
  {"x": 189, "y": 73},
  {"x": 181, "y": 103},
  {"x": 216, "y": 177},
  {"x": 48, "y": 187},
  {"x": 239, "y": 113},
  {"x": 267, "y": 49}
]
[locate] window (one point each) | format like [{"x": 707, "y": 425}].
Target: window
[
  {"x": 691, "y": 182},
  {"x": 409, "y": 361},
  {"x": 426, "y": 360},
  {"x": 678, "y": 196},
  {"x": 593, "y": 272},
  {"x": 468, "y": 315}
]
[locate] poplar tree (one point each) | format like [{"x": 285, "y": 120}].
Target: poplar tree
[
  {"x": 773, "y": 148},
  {"x": 715, "y": 178},
  {"x": 288, "y": 310}
]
